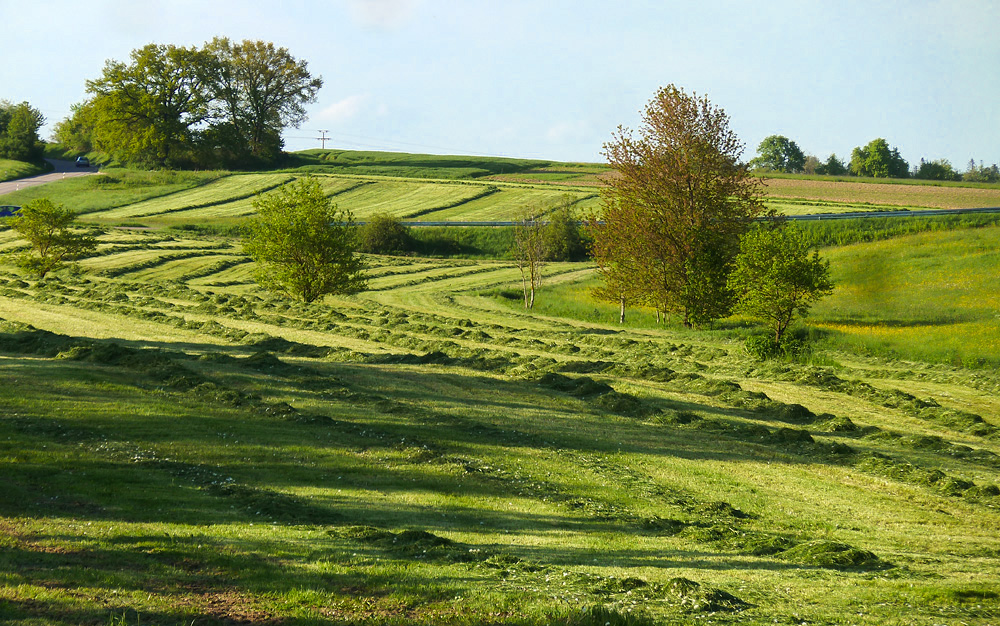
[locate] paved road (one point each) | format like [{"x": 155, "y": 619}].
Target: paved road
[{"x": 63, "y": 169}]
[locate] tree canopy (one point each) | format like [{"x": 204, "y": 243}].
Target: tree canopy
[
  {"x": 673, "y": 213},
  {"x": 256, "y": 90},
  {"x": 48, "y": 228},
  {"x": 19, "y": 125},
  {"x": 878, "y": 161},
  {"x": 303, "y": 245},
  {"x": 224, "y": 104},
  {"x": 779, "y": 154},
  {"x": 775, "y": 278}
]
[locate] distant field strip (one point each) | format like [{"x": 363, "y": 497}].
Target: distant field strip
[
  {"x": 405, "y": 199},
  {"x": 797, "y": 192},
  {"x": 230, "y": 189},
  {"x": 509, "y": 202}
]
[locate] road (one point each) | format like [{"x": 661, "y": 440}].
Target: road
[{"x": 63, "y": 169}]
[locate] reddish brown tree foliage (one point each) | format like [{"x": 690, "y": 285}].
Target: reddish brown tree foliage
[{"x": 674, "y": 212}]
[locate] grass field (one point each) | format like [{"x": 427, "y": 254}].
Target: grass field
[
  {"x": 12, "y": 170},
  {"x": 178, "y": 447}
]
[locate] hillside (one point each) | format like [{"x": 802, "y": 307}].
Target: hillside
[
  {"x": 432, "y": 188},
  {"x": 180, "y": 447}
]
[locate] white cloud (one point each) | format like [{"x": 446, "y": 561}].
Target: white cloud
[
  {"x": 344, "y": 109},
  {"x": 382, "y": 13}
]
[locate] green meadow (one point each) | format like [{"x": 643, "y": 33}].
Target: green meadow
[{"x": 178, "y": 447}]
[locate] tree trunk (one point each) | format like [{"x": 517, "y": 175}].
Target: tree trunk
[{"x": 621, "y": 312}]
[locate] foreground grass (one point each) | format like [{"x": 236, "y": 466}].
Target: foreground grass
[{"x": 187, "y": 449}]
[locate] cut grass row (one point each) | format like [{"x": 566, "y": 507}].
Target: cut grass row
[{"x": 543, "y": 483}]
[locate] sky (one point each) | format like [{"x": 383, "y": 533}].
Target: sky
[{"x": 553, "y": 79}]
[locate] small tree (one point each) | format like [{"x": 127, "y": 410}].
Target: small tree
[
  {"x": 46, "y": 226},
  {"x": 530, "y": 252},
  {"x": 384, "y": 234},
  {"x": 775, "y": 278},
  {"x": 303, "y": 244},
  {"x": 563, "y": 241}
]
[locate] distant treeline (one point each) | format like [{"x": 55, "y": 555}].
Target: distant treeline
[{"x": 876, "y": 160}]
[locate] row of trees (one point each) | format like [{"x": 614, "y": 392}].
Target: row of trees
[
  {"x": 777, "y": 153},
  {"x": 224, "y": 104},
  {"x": 19, "y": 126}
]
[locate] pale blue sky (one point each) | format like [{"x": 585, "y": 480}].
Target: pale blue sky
[{"x": 552, "y": 79}]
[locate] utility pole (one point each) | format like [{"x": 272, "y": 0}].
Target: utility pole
[{"x": 323, "y": 139}]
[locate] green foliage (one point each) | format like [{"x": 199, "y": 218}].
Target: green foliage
[
  {"x": 675, "y": 210},
  {"x": 146, "y": 112},
  {"x": 939, "y": 169},
  {"x": 257, "y": 90},
  {"x": 48, "y": 228},
  {"x": 19, "y": 126},
  {"x": 563, "y": 237},
  {"x": 981, "y": 173},
  {"x": 775, "y": 279},
  {"x": 778, "y": 154},
  {"x": 832, "y": 167},
  {"x": 76, "y": 132},
  {"x": 384, "y": 234},
  {"x": 303, "y": 244},
  {"x": 173, "y": 106},
  {"x": 878, "y": 161},
  {"x": 762, "y": 347}
]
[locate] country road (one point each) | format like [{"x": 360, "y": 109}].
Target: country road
[{"x": 63, "y": 169}]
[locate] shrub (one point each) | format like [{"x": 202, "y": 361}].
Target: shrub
[
  {"x": 762, "y": 347},
  {"x": 384, "y": 234}
]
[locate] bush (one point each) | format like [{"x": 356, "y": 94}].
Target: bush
[
  {"x": 384, "y": 234},
  {"x": 762, "y": 347},
  {"x": 792, "y": 346}
]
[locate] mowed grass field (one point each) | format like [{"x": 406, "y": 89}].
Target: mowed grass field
[
  {"x": 179, "y": 447},
  {"x": 431, "y": 188}
]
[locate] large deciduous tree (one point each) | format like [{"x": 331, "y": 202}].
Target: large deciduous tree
[
  {"x": 779, "y": 154},
  {"x": 149, "y": 111},
  {"x": 878, "y": 161},
  {"x": 303, "y": 244},
  {"x": 257, "y": 90},
  {"x": 675, "y": 208},
  {"x": 169, "y": 106},
  {"x": 775, "y": 278}
]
